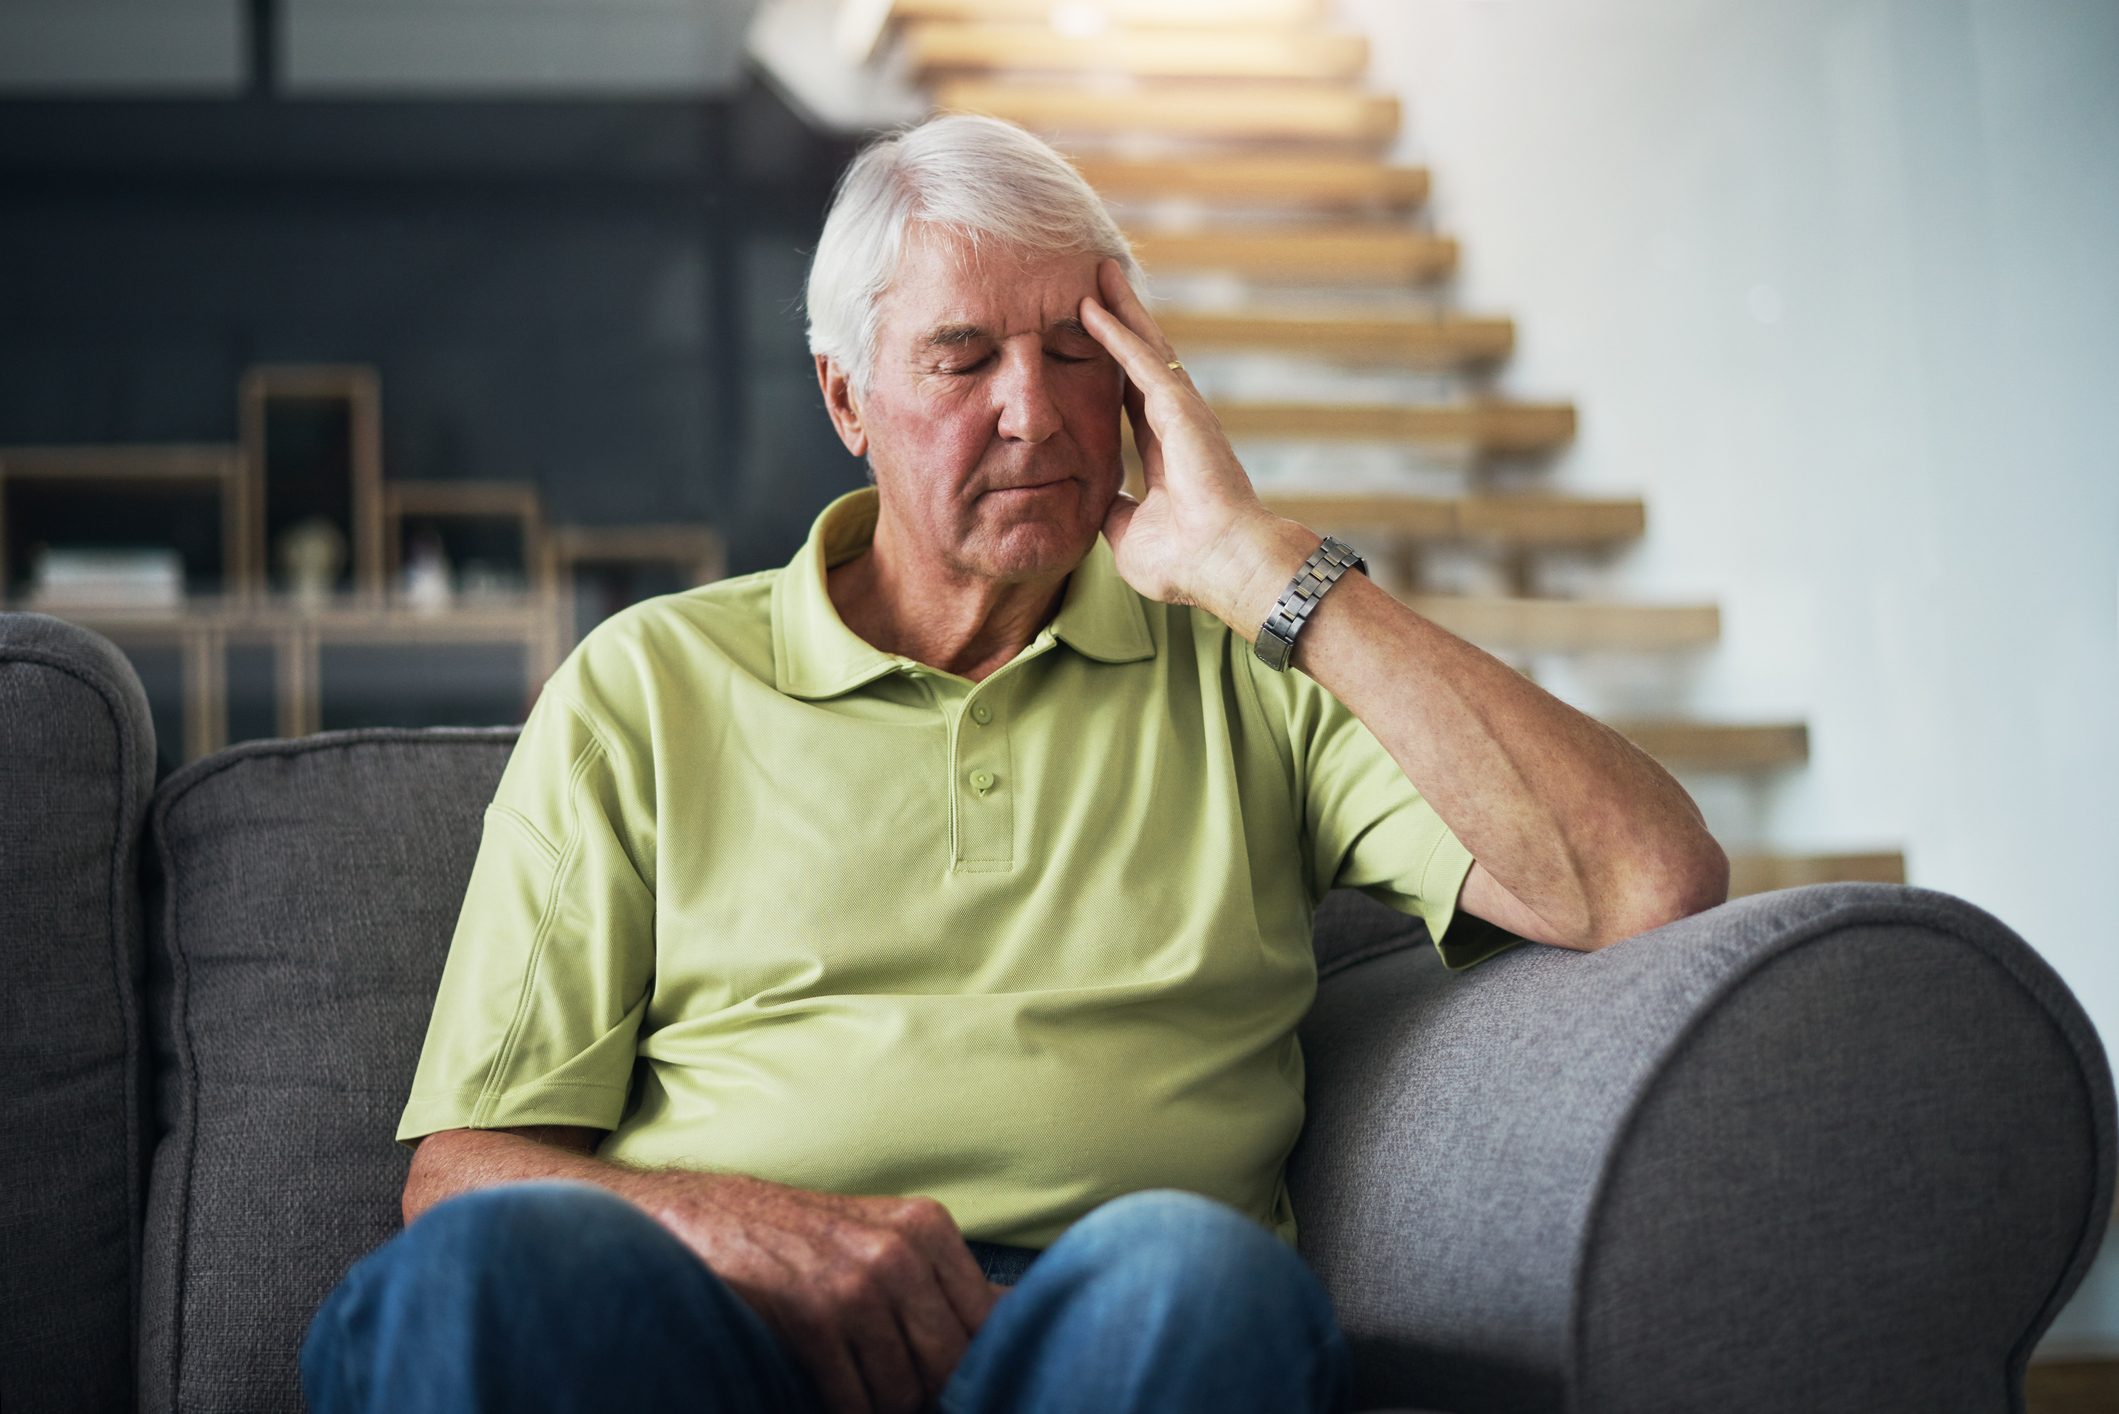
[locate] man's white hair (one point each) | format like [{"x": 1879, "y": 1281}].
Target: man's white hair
[{"x": 970, "y": 174}]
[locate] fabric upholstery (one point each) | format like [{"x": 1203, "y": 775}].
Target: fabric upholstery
[
  {"x": 304, "y": 892},
  {"x": 1847, "y": 1146},
  {"x": 77, "y": 762}
]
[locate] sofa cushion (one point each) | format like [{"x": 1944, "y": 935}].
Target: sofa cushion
[
  {"x": 302, "y": 897},
  {"x": 77, "y": 762}
]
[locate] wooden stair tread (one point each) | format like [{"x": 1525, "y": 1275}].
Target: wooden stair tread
[
  {"x": 1229, "y": 53},
  {"x": 1517, "y": 519},
  {"x": 1366, "y": 252},
  {"x": 1763, "y": 873},
  {"x": 1424, "y": 341},
  {"x": 1569, "y": 625},
  {"x": 1725, "y": 746},
  {"x": 1494, "y": 425},
  {"x": 1286, "y": 111},
  {"x": 1212, "y": 13},
  {"x": 1320, "y": 180}
]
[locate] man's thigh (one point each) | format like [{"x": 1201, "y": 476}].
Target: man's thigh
[{"x": 545, "y": 1295}]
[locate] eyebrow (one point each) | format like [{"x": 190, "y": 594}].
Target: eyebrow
[{"x": 950, "y": 336}]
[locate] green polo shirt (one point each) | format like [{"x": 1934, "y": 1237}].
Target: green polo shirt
[{"x": 755, "y": 896}]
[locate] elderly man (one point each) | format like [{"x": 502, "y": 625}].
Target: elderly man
[{"x": 877, "y": 984}]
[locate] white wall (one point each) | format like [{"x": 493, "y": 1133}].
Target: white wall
[{"x": 1833, "y": 285}]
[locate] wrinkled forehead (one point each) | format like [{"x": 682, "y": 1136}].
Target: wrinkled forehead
[{"x": 947, "y": 290}]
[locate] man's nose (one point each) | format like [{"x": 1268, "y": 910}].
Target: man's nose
[{"x": 1028, "y": 413}]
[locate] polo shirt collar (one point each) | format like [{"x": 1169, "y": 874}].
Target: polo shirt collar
[{"x": 816, "y": 655}]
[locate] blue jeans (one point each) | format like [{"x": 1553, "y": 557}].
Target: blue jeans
[{"x": 556, "y": 1295}]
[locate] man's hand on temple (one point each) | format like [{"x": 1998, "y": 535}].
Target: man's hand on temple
[
  {"x": 877, "y": 1296},
  {"x": 1200, "y": 529}
]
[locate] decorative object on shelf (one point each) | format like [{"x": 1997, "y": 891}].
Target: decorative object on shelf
[
  {"x": 494, "y": 529},
  {"x": 311, "y": 553},
  {"x": 424, "y": 581},
  {"x": 104, "y": 577},
  {"x": 482, "y": 581}
]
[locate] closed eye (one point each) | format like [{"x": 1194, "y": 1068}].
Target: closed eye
[{"x": 1049, "y": 353}]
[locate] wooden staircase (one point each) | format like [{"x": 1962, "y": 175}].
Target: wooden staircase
[{"x": 1241, "y": 150}]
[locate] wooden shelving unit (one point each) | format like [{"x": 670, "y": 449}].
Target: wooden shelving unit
[{"x": 253, "y": 608}]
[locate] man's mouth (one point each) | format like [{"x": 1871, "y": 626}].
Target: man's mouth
[{"x": 1026, "y": 489}]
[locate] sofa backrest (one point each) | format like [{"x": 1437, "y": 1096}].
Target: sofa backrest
[
  {"x": 302, "y": 895},
  {"x": 77, "y": 764}
]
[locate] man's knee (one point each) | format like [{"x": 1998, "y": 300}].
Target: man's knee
[
  {"x": 563, "y": 1236},
  {"x": 1191, "y": 1226},
  {"x": 542, "y": 1215},
  {"x": 1200, "y": 1256}
]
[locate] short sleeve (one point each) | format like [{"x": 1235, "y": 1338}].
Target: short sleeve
[
  {"x": 1366, "y": 827},
  {"x": 549, "y": 970}
]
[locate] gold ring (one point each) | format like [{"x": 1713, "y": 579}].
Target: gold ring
[{"x": 1175, "y": 364}]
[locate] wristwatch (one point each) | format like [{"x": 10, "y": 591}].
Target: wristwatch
[{"x": 1275, "y": 644}]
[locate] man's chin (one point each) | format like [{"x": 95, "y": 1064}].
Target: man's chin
[{"x": 1030, "y": 546}]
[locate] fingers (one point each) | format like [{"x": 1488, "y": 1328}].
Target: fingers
[
  {"x": 878, "y": 1298},
  {"x": 1120, "y": 298},
  {"x": 822, "y": 1350},
  {"x": 936, "y": 1340},
  {"x": 964, "y": 1285},
  {"x": 1145, "y": 438},
  {"x": 1143, "y": 366},
  {"x": 894, "y": 1385},
  {"x": 926, "y": 1323},
  {"x": 933, "y": 1285}
]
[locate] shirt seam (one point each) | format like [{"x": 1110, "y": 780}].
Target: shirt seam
[
  {"x": 523, "y": 822},
  {"x": 612, "y": 757},
  {"x": 492, "y": 1089},
  {"x": 436, "y": 1096}
]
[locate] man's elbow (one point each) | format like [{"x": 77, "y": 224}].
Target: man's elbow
[{"x": 1702, "y": 885}]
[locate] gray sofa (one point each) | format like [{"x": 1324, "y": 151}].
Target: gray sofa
[{"x": 1846, "y": 1147}]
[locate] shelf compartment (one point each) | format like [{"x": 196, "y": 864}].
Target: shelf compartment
[{"x": 312, "y": 436}]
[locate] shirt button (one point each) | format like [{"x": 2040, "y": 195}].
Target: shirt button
[
  {"x": 981, "y": 713},
  {"x": 982, "y": 781}
]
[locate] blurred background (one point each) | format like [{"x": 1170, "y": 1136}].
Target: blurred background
[{"x": 1734, "y": 371}]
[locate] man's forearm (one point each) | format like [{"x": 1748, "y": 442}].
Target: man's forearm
[
  {"x": 464, "y": 1160},
  {"x": 1574, "y": 820}
]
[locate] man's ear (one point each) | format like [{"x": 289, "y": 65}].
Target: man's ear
[{"x": 840, "y": 402}]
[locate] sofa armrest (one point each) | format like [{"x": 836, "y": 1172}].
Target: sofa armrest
[
  {"x": 77, "y": 764},
  {"x": 1847, "y": 1146}
]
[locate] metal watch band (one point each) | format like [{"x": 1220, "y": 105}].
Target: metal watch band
[{"x": 1275, "y": 644}]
